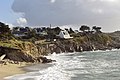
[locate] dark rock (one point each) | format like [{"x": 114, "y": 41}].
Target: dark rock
[
  {"x": 16, "y": 54},
  {"x": 44, "y": 60},
  {"x": 57, "y": 50}
]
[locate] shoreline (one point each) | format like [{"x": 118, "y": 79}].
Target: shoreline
[
  {"x": 16, "y": 69},
  {"x": 12, "y": 69}
]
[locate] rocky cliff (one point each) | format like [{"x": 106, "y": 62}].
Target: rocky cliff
[
  {"x": 30, "y": 52},
  {"x": 21, "y": 51},
  {"x": 15, "y": 54},
  {"x": 87, "y": 42}
]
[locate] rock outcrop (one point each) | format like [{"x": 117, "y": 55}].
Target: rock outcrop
[
  {"x": 29, "y": 53},
  {"x": 16, "y": 54}
]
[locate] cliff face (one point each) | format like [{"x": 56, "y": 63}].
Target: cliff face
[
  {"x": 20, "y": 51},
  {"x": 25, "y": 52},
  {"x": 30, "y": 48},
  {"x": 16, "y": 54},
  {"x": 60, "y": 47},
  {"x": 29, "y": 52},
  {"x": 84, "y": 43}
]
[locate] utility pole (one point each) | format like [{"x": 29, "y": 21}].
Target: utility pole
[{"x": 50, "y": 26}]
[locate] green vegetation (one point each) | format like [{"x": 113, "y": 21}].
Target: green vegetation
[
  {"x": 4, "y": 29},
  {"x": 97, "y": 29},
  {"x": 5, "y": 32},
  {"x": 13, "y": 43},
  {"x": 80, "y": 40},
  {"x": 84, "y": 28},
  {"x": 84, "y": 37},
  {"x": 100, "y": 38}
]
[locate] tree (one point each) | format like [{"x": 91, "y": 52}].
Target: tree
[
  {"x": 4, "y": 28},
  {"x": 31, "y": 34},
  {"x": 15, "y": 28},
  {"x": 84, "y": 28},
  {"x": 97, "y": 29},
  {"x": 66, "y": 29},
  {"x": 5, "y": 32},
  {"x": 71, "y": 31},
  {"x": 57, "y": 30},
  {"x": 44, "y": 29},
  {"x": 50, "y": 33},
  {"x": 28, "y": 29}
]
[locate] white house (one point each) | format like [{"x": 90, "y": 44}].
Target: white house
[
  {"x": 40, "y": 31},
  {"x": 19, "y": 31},
  {"x": 64, "y": 34},
  {"x": 19, "y": 35}
]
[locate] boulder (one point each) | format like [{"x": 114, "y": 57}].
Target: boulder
[{"x": 44, "y": 60}]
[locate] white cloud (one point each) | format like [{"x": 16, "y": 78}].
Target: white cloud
[
  {"x": 52, "y": 1},
  {"x": 22, "y": 21}
]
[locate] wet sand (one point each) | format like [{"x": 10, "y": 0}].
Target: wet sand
[{"x": 11, "y": 69}]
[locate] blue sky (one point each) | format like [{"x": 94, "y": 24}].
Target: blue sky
[{"x": 6, "y": 13}]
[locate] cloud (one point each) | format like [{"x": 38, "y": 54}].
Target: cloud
[
  {"x": 69, "y": 12},
  {"x": 52, "y": 1},
  {"x": 22, "y": 21}
]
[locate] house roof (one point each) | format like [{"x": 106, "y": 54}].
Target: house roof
[{"x": 21, "y": 31}]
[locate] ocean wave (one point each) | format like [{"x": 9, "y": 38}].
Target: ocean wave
[{"x": 75, "y": 66}]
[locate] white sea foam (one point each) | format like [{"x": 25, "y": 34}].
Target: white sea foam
[
  {"x": 56, "y": 72},
  {"x": 67, "y": 65}
]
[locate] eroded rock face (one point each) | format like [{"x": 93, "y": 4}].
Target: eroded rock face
[
  {"x": 61, "y": 47},
  {"x": 16, "y": 54},
  {"x": 20, "y": 56},
  {"x": 31, "y": 49}
]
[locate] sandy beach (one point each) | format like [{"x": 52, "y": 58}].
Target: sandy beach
[{"x": 11, "y": 69}]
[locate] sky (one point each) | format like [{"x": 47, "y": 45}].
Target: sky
[
  {"x": 64, "y": 13},
  {"x": 7, "y": 14}
]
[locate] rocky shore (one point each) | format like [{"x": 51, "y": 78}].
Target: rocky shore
[
  {"x": 91, "y": 43},
  {"x": 16, "y": 56}
]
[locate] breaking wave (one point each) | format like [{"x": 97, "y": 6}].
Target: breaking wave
[{"x": 94, "y": 65}]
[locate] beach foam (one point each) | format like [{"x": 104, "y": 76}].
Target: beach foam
[{"x": 76, "y": 66}]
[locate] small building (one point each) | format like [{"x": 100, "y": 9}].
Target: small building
[
  {"x": 19, "y": 31},
  {"x": 64, "y": 34},
  {"x": 76, "y": 31},
  {"x": 39, "y": 31}
]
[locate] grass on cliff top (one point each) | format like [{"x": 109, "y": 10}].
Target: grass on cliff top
[
  {"x": 81, "y": 40},
  {"x": 13, "y": 43},
  {"x": 99, "y": 38}
]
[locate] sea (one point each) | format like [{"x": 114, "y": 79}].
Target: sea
[{"x": 91, "y": 65}]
